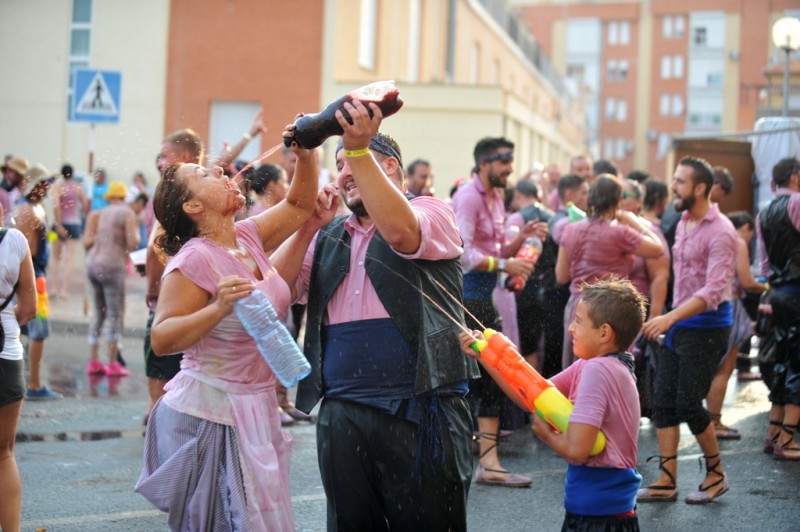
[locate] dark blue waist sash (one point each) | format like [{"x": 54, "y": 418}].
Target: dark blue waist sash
[
  {"x": 600, "y": 490},
  {"x": 479, "y": 285},
  {"x": 710, "y": 319},
  {"x": 367, "y": 361},
  {"x": 370, "y": 363}
]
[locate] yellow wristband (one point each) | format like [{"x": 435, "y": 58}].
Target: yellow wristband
[
  {"x": 490, "y": 265},
  {"x": 247, "y": 136},
  {"x": 356, "y": 153}
]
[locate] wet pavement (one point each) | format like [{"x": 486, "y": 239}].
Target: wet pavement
[{"x": 79, "y": 457}]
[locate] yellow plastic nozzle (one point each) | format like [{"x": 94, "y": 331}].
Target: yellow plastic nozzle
[{"x": 478, "y": 345}]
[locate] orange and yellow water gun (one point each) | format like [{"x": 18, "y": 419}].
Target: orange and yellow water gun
[
  {"x": 537, "y": 393},
  {"x": 42, "y": 303}
]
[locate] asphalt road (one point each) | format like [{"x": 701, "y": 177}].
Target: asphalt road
[{"x": 80, "y": 457}]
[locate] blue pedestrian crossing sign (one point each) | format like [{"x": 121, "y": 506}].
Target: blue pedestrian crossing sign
[{"x": 95, "y": 96}]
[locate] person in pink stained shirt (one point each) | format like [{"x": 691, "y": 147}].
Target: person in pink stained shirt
[
  {"x": 696, "y": 332},
  {"x": 649, "y": 276},
  {"x": 480, "y": 214},
  {"x": 394, "y": 424},
  {"x": 600, "y": 490},
  {"x": 600, "y": 246},
  {"x": 215, "y": 454},
  {"x": 742, "y": 328},
  {"x": 70, "y": 204}
]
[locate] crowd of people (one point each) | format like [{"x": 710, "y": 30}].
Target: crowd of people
[{"x": 633, "y": 304}]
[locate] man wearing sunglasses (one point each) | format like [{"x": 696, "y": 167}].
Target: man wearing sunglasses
[{"x": 480, "y": 216}]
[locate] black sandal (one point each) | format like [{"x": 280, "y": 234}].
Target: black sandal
[
  {"x": 511, "y": 481},
  {"x": 644, "y": 495},
  {"x": 701, "y": 495},
  {"x": 780, "y": 451},
  {"x": 770, "y": 443},
  {"x": 476, "y": 437}
]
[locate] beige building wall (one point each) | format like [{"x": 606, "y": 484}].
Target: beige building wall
[
  {"x": 730, "y": 96},
  {"x": 35, "y": 39},
  {"x": 644, "y": 96},
  {"x": 494, "y": 90},
  {"x": 442, "y": 119}
]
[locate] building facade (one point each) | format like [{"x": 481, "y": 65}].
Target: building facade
[
  {"x": 660, "y": 68},
  {"x": 465, "y": 68}
]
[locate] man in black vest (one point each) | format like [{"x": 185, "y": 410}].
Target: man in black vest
[
  {"x": 384, "y": 288},
  {"x": 779, "y": 241}
]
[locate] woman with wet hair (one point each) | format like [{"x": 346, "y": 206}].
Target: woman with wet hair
[
  {"x": 215, "y": 454},
  {"x": 601, "y": 246}
]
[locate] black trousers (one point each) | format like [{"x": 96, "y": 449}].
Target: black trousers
[
  {"x": 786, "y": 319},
  {"x": 684, "y": 375},
  {"x": 540, "y": 315},
  {"x": 368, "y": 463},
  {"x": 599, "y": 523},
  {"x": 485, "y": 393}
]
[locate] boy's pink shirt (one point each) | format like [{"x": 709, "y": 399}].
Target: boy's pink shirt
[{"x": 603, "y": 391}]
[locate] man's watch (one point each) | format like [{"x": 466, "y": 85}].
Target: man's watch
[{"x": 501, "y": 265}]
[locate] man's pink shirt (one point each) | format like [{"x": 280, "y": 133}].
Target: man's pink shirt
[
  {"x": 356, "y": 299},
  {"x": 704, "y": 259}
]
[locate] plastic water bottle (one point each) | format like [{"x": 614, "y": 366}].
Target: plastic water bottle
[
  {"x": 576, "y": 214},
  {"x": 530, "y": 249},
  {"x": 276, "y": 345}
]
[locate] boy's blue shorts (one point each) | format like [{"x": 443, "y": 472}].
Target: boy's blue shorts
[{"x": 36, "y": 329}]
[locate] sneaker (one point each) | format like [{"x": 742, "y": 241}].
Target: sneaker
[
  {"x": 95, "y": 367},
  {"x": 42, "y": 394},
  {"x": 116, "y": 370}
]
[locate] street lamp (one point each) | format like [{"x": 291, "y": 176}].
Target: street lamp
[{"x": 786, "y": 36}]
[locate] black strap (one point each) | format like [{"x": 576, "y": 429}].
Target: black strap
[{"x": 3, "y": 232}]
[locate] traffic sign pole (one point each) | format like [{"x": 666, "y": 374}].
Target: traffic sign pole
[{"x": 91, "y": 150}]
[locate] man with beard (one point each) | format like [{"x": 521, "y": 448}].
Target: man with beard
[
  {"x": 480, "y": 214},
  {"x": 696, "y": 332},
  {"x": 394, "y": 430}
]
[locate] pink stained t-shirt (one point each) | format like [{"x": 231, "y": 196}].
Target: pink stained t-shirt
[
  {"x": 480, "y": 216},
  {"x": 603, "y": 391},
  {"x": 640, "y": 277},
  {"x": 597, "y": 249},
  {"x": 355, "y": 298},
  {"x": 70, "y": 203},
  {"x": 704, "y": 259},
  {"x": 227, "y": 352}
]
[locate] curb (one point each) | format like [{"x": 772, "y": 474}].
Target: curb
[{"x": 82, "y": 329}]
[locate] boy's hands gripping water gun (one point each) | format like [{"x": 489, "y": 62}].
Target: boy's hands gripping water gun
[{"x": 535, "y": 392}]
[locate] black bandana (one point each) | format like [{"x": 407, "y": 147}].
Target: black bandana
[{"x": 380, "y": 144}]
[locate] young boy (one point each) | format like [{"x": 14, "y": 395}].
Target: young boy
[{"x": 600, "y": 491}]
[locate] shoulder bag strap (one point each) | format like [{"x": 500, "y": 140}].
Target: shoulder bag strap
[{"x": 3, "y": 232}]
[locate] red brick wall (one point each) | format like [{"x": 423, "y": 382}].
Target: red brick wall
[{"x": 243, "y": 50}]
